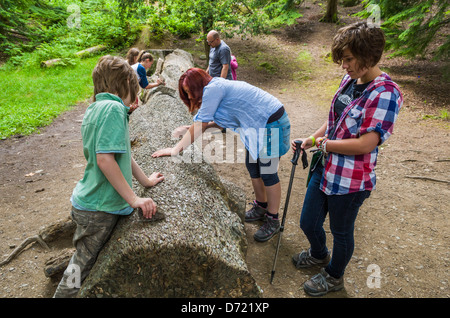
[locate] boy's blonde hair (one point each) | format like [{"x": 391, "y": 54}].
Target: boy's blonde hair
[{"x": 114, "y": 75}]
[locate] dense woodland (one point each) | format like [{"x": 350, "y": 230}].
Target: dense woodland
[
  {"x": 57, "y": 28},
  {"x": 33, "y": 31}
]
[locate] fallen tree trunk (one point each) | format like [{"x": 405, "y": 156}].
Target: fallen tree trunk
[
  {"x": 80, "y": 54},
  {"x": 50, "y": 63},
  {"x": 89, "y": 51},
  {"x": 198, "y": 249}
]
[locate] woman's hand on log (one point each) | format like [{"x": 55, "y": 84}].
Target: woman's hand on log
[{"x": 163, "y": 152}]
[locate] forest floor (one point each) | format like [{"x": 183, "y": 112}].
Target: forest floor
[{"x": 402, "y": 230}]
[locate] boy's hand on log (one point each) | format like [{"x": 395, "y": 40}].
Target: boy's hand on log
[
  {"x": 154, "y": 179},
  {"x": 147, "y": 206}
]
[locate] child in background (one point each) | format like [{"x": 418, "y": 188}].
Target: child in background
[
  {"x": 234, "y": 65},
  {"x": 140, "y": 62},
  {"x": 105, "y": 192}
]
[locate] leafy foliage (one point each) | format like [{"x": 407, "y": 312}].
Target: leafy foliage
[
  {"x": 58, "y": 28},
  {"x": 411, "y": 26},
  {"x": 23, "y": 24},
  {"x": 184, "y": 17}
]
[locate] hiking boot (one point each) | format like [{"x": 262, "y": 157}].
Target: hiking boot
[
  {"x": 305, "y": 260},
  {"x": 256, "y": 213},
  {"x": 323, "y": 283},
  {"x": 267, "y": 230}
]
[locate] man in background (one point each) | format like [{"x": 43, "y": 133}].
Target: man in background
[{"x": 219, "y": 56}]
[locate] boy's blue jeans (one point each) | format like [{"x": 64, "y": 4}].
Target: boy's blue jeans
[{"x": 342, "y": 210}]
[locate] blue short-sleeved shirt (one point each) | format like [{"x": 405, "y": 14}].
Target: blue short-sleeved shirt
[
  {"x": 239, "y": 106},
  {"x": 141, "y": 74}
]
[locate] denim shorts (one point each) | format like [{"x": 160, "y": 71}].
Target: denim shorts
[{"x": 276, "y": 138}]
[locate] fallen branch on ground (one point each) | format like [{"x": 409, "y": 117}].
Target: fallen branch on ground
[
  {"x": 28, "y": 241},
  {"x": 427, "y": 178},
  {"x": 45, "y": 236}
]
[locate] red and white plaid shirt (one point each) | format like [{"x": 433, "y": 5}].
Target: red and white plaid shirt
[{"x": 375, "y": 110}]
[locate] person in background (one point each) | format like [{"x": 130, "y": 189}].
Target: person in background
[
  {"x": 234, "y": 65},
  {"x": 140, "y": 62},
  {"x": 219, "y": 56},
  {"x": 361, "y": 118}
]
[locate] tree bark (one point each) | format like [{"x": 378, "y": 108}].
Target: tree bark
[
  {"x": 49, "y": 63},
  {"x": 331, "y": 13},
  {"x": 90, "y": 50}
]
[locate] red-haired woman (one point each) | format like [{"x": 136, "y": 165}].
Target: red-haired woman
[{"x": 263, "y": 126}]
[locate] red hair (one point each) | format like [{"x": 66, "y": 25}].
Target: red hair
[{"x": 195, "y": 79}]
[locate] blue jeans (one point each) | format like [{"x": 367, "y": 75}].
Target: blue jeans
[{"x": 342, "y": 210}]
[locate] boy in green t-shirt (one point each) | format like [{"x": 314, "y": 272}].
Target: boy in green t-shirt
[{"x": 105, "y": 192}]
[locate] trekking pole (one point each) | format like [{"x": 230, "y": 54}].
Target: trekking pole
[{"x": 294, "y": 160}]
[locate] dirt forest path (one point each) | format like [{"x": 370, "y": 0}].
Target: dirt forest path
[{"x": 402, "y": 230}]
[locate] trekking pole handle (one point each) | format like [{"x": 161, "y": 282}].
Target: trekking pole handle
[{"x": 298, "y": 148}]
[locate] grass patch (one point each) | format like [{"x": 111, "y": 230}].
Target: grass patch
[
  {"x": 302, "y": 66},
  {"x": 443, "y": 115},
  {"x": 33, "y": 97}
]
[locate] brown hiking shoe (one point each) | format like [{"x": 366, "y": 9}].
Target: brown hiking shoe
[
  {"x": 305, "y": 260},
  {"x": 323, "y": 283},
  {"x": 256, "y": 213}
]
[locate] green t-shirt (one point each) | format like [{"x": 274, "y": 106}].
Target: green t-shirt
[{"x": 104, "y": 130}]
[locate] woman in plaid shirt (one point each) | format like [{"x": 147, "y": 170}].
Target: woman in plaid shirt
[{"x": 361, "y": 118}]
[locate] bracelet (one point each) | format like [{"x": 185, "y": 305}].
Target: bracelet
[
  {"x": 313, "y": 140},
  {"x": 321, "y": 143},
  {"x": 324, "y": 145}
]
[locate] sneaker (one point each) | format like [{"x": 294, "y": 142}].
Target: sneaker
[
  {"x": 256, "y": 213},
  {"x": 323, "y": 283},
  {"x": 268, "y": 230},
  {"x": 305, "y": 260}
]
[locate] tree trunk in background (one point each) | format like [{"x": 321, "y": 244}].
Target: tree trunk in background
[
  {"x": 331, "y": 14},
  {"x": 206, "y": 27}
]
